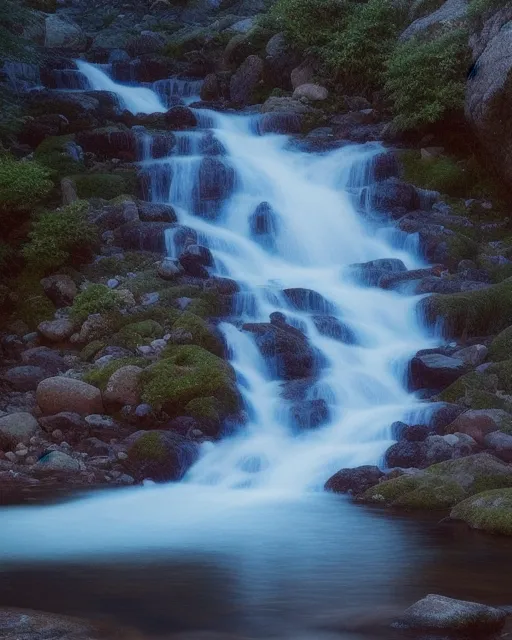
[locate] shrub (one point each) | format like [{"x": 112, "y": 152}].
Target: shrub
[
  {"x": 97, "y": 298},
  {"x": 426, "y": 80},
  {"x": 53, "y": 153},
  {"x": 57, "y": 236},
  {"x": 104, "y": 185},
  {"x": 22, "y": 185}
]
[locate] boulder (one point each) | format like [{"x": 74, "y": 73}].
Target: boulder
[
  {"x": 179, "y": 117},
  {"x": 145, "y": 42},
  {"x": 490, "y": 511},
  {"x": 437, "y": 614},
  {"x": 479, "y": 423},
  {"x": 500, "y": 444},
  {"x": 112, "y": 216},
  {"x": 57, "y": 461},
  {"x": 47, "y": 359},
  {"x": 301, "y": 75},
  {"x": 64, "y": 421},
  {"x": 24, "y": 378},
  {"x": 123, "y": 387},
  {"x": 245, "y": 80},
  {"x": 195, "y": 260},
  {"x": 63, "y": 34},
  {"x": 355, "y": 481},
  {"x": 56, "y": 330},
  {"x": 110, "y": 142},
  {"x": 334, "y": 328},
  {"x": 17, "y": 427},
  {"x": 285, "y": 105},
  {"x": 67, "y": 394},
  {"x": 309, "y": 414},
  {"x": 435, "y": 370},
  {"x": 210, "y": 88},
  {"x": 374, "y": 272},
  {"x": 308, "y": 300},
  {"x": 394, "y": 197},
  {"x": 143, "y": 236},
  {"x": 216, "y": 182},
  {"x": 169, "y": 269},
  {"x": 73, "y": 106},
  {"x": 489, "y": 90},
  {"x": 61, "y": 289},
  {"x": 310, "y": 91},
  {"x": 280, "y": 61},
  {"x": 156, "y": 212},
  {"x": 472, "y": 356}
]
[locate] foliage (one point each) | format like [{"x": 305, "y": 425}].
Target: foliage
[
  {"x": 425, "y": 80},
  {"x": 104, "y": 185},
  {"x": 22, "y": 185},
  {"x": 120, "y": 265},
  {"x": 60, "y": 236},
  {"x": 201, "y": 333},
  {"x": 53, "y": 154},
  {"x": 33, "y": 306},
  {"x": 97, "y": 298},
  {"x": 501, "y": 346},
  {"x": 91, "y": 349},
  {"x": 12, "y": 45}
]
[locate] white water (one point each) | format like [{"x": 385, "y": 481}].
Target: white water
[{"x": 318, "y": 233}]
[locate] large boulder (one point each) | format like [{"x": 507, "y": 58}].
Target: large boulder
[
  {"x": 73, "y": 106},
  {"x": 61, "y": 289},
  {"x": 489, "y": 90},
  {"x": 435, "y": 370},
  {"x": 436, "y": 614},
  {"x": 215, "y": 183},
  {"x": 63, "y": 34},
  {"x": 123, "y": 387},
  {"x": 419, "y": 454},
  {"x": 489, "y": 511},
  {"x": 245, "y": 80},
  {"x": 57, "y": 461},
  {"x": 57, "y": 330},
  {"x": 46, "y": 358},
  {"x": 17, "y": 427},
  {"x": 112, "y": 216},
  {"x": 67, "y": 394},
  {"x": 310, "y": 91},
  {"x": 144, "y": 43},
  {"x": 479, "y": 423},
  {"x": 24, "y": 377},
  {"x": 394, "y": 197},
  {"x": 110, "y": 142},
  {"x": 355, "y": 481},
  {"x": 143, "y": 236},
  {"x": 180, "y": 117}
]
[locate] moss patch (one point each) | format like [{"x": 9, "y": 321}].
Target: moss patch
[
  {"x": 90, "y": 350},
  {"x": 201, "y": 334},
  {"x": 489, "y": 511},
  {"x": 467, "y": 384},
  {"x": 139, "y": 333},
  {"x": 501, "y": 346},
  {"x": 100, "y": 376},
  {"x": 97, "y": 298},
  {"x": 120, "y": 265},
  {"x": 104, "y": 185},
  {"x": 54, "y": 154}
]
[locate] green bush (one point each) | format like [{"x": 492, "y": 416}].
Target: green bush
[
  {"x": 61, "y": 236},
  {"x": 53, "y": 154},
  {"x": 22, "y": 185},
  {"x": 443, "y": 174},
  {"x": 97, "y": 298},
  {"x": 425, "y": 80},
  {"x": 104, "y": 185}
]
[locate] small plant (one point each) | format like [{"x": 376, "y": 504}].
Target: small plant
[
  {"x": 22, "y": 185},
  {"x": 426, "y": 80},
  {"x": 57, "y": 236},
  {"x": 97, "y": 298}
]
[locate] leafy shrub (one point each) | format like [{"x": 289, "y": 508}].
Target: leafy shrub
[
  {"x": 97, "y": 298},
  {"x": 22, "y": 185},
  {"x": 57, "y": 236},
  {"x": 426, "y": 80}
]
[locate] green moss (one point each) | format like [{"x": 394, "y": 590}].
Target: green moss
[
  {"x": 468, "y": 384},
  {"x": 503, "y": 371},
  {"x": 201, "y": 334},
  {"x": 61, "y": 236},
  {"x": 441, "y": 174},
  {"x": 97, "y": 298},
  {"x": 431, "y": 495},
  {"x": 169, "y": 295},
  {"x": 100, "y": 376},
  {"x": 104, "y": 185},
  {"x": 189, "y": 372},
  {"x": 139, "y": 333},
  {"x": 203, "y": 409},
  {"x": 52, "y": 153},
  {"x": 489, "y": 511},
  {"x": 90, "y": 350},
  {"x": 475, "y": 313},
  {"x": 145, "y": 282},
  {"x": 425, "y": 80},
  {"x": 22, "y": 185},
  {"x": 148, "y": 447},
  {"x": 501, "y": 347},
  {"x": 120, "y": 265}
]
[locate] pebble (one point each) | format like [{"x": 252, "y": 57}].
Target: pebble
[
  {"x": 113, "y": 283},
  {"x": 122, "y": 455},
  {"x": 11, "y": 456}
]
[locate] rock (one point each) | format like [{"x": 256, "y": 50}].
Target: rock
[
  {"x": 123, "y": 387},
  {"x": 285, "y": 105},
  {"x": 168, "y": 269},
  {"x": 195, "y": 260},
  {"x": 444, "y": 414},
  {"x": 418, "y": 455},
  {"x": 17, "y": 427},
  {"x": 280, "y": 61},
  {"x": 308, "y": 300},
  {"x": 67, "y": 394},
  {"x": 443, "y": 485},
  {"x": 156, "y": 212},
  {"x": 142, "y": 236},
  {"x": 63, "y": 422},
  {"x": 310, "y": 91},
  {"x": 263, "y": 225},
  {"x": 490, "y": 511},
  {"x": 96, "y": 326},
  {"x": 334, "y": 328},
  {"x": 110, "y": 142},
  {"x": 434, "y": 370},
  {"x": 245, "y": 80},
  {"x": 309, "y": 414},
  {"x": 46, "y": 358},
  {"x": 210, "y": 88},
  {"x": 472, "y": 356},
  {"x": 60, "y": 289},
  {"x": 301, "y": 75},
  {"x": 57, "y": 461},
  {"x": 375, "y": 272},
  {"x": 489, "y": 90},
  {"x": 438, "y": 614},
  {"x": 145, "y": 42},
  {"x": 111, "y": 217},
  {"x": 24, "y": 378},
  {"x": 500, "y": 444},
  {"x": 216, "y": 183},
  {"x": 63, "y": 34},
  {"x": 384, "y": 166},
  {"x": 17, "y": 624},
  {"x": 180, "y": 117},
  {"x": 450, "y": 14},
  {"x": 56, "y": 330},
  {"x": 479, "y": 423},
  {"x": 394, "y": 197},
  {"x": 161, "y": 456},
  {"x": 355, "y": 481}
]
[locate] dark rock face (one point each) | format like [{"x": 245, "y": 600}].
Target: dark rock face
[
  {"x": 216, "y": 183},
  {"x": 110, "y": 142},
  {"x": 153, "y": 212},
  {"x": 434, "y": 370},
  {"x": 394, "y": 197},
  {"x": 245, "y": 80},
  {"x": 280, "y": 122},
  {"x": 146, "y": 42},
  {"x": 286, "y": 349},
  {"x": 263, "y": 225},
  {"x": 445, "y": 415},
  {"x": 47, "y": 359},
  {"x": 211, "y": 146},
  {"x": 145, "y": 236},
  {"x": 308, "y": 300},
  {"x": 180, "y": 117},
  {"x": 195, "y": 259},
  {"x": 309, "y": 414},
  {"x": 74, "y": 106},
  {"x": 334, "y": 328},
  {"x": 355, "y": 481},
  {"x": 384, "y": 166},
  {"x": 113, "y": 216},
  {"x": 374, "y": 272}
]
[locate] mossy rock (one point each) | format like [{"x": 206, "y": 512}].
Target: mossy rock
[
  {"x": 443, "y": 485},
  {"x": 91, "y": 349},
  {"x": 104, "y": 185},
  {"x": 474, "y": 313},
  {"x": 120, "y": 265},
  {"x": 489, "y": 511},
  {"x": 33, "y": 306},
  {"x": 100, "y": 376},
  {"x": 161, "y": 456},
  {"x": 501, "y": 346},
  {"x": 146, "y": 281},
  {"x": 467, "y": 385},
  {"x": 139, "y": 333},
  {"x": 97, "y": 298},
  {"x": 202, "y": 335},
  {"x": 55, "y": 154},
  {"x": 186, "y": 373},
  {"x": 169, "y": 295},
  {"x": 206, "y": 412},
  {"x": 503, "y": 371}
]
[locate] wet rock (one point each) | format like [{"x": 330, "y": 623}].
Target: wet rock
[
  {"x": 46, "y": 358},
  {"x": 472, "y": 356},
  {"x": 479, "y": 423},
  {"x": 110, "y": 142},
  {"x": 285, "y": 105},
  {"x": 435, "y": 370},
  {"x": 24, "y": 378},
  {"x": 210, "y": 89},
  {"x": 310, "y": 91},
  {"x": 60, "y": 289},
  {"x": 263, "y": 225},
  {"x": 384, "y": 166},
  {"x": 490, "y": 511},
  {"x": 372, "y": 273},
  {"x": 169, "y": 269},
  {"x": 195, "y": 260},
  {"x": 394, "y": 197},
  {"x": 57, "y": 461},
  {"x": 123, "y": 387},
  {"x": 156, "y": 212},
  {"x": 438, "y": 614},
  {"x": 308, "y": 300},
  {"x": 17, "y": 427},
  {"x": 355, "y": 481},
  {"x": 145, "y": 42},
  {"x": 334, "y": 328},
  {"x": 73, "y": 106},
  {"x": 309, "y": 414},
  {"x": 215, "y": 183},
  {"x": 67, "y": 394},
  {"x": 280, "y": 122},
  {"x": 245, "y": 80},
  {"x": 443, "y": 415},
  {"x": 180, "y": 117},
  {"x": 143, "y": 236},
  {"x": 58, "y": 330}
]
